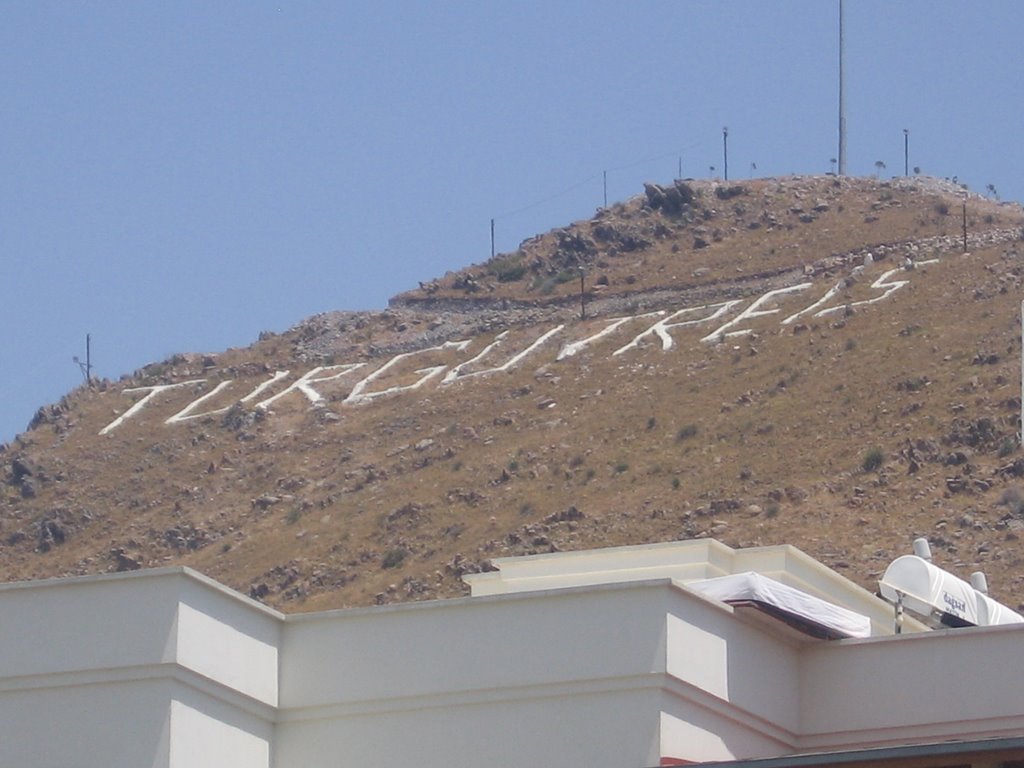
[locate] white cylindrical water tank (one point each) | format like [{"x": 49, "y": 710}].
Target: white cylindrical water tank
[{"x": 922, "y": 549}]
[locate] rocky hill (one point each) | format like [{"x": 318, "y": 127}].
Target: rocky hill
[{"x": 814, "y": 361}]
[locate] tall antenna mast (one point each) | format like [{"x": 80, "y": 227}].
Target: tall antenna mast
[
  {"x": 842, "y": 94},
  {"x": 86, "y": 366}
]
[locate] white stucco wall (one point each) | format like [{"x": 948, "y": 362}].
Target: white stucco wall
[
  {"x": 167, "y": 669},
  {"x": 85, "y": 624},
  {"x": 602, "y": 728},
  {"x": 229, "y": 640},
  {"x": 516, "y": 675},
  {"x": 581, "y": 658},
  {"x": 963, "y": 683},
  {"x": 206, "y": 733},
  {"x": 695, "y": 735},
  {"x": 472, "y": 644},
  {"x": 133, "y": 669},
  {"x": 732, "y": 689},
  {"x": 736, "y": 662},
  {"x": 85, "y": 725},
  {"x": 684, "y": 561}
]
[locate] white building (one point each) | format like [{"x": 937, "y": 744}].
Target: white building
[{"x": 605, "y": 659}]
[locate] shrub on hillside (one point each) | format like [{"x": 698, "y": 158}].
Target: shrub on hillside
[
  {"x": 393, "y": 558},
  {"x": 684, "y": 433},
  {"x": 873, "y": 459},
  {"x": 566, "y": 275},
  {"x": 1013, "y": 500},
  {"x": 508, "y": 268}
]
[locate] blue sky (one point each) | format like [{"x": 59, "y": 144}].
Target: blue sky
[{"x": 179, "y": 176}]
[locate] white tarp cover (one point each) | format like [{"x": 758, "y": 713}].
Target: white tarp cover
[{"x": 811, "y": 614}]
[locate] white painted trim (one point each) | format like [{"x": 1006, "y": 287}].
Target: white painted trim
[
  {"x": 447, "y": 699},
  {"x": 165, "y": 671}
]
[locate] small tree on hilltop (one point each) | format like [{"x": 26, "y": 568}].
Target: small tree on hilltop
[{"x": 879, "y": 167}]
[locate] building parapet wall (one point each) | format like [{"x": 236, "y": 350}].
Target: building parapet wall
[
  {"x": 163, "y": 668},
  {"x": 954, "y": 684},
  {"x": 473, "y": 645},
  {"x": 169, "y": 669}
]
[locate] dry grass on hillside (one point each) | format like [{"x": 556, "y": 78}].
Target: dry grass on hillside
[
  {"x": 763, "y": 439},
  {"x": 727, "y": 232}
]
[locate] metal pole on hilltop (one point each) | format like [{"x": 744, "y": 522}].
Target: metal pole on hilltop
[
  {"x": 906, "y": 152},
  {"x": 725, "y": 152},
  {"x": 86, "y": 367},
  {"x": 492, "y": 238}
]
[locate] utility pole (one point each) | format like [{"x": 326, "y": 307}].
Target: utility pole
[
  {"x": 725, "y": 152},
  {"x": 492, "y": 238},
  {"x": 86, "y": 367},
  {"x": 906, "y": 152},
  {"x": 842, "y": 94}
]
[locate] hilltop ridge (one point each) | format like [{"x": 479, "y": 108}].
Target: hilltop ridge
[{"x": 805, "y": 360}]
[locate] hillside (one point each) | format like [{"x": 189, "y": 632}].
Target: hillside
[{"x": 810, "y": 360}]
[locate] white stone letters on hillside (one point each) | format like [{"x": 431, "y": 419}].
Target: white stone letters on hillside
[
  {"x": 151, "y": 392},
  {"x": 188, "y": 412},
  {"x": 888, "y": 289},
  {"x": 660, "y": 328},
  {"x": 823, "y": 300},
  {"x": 360, "y": 395},
  {"x": 373, "y": 385},
  {"x": 754, "y": 310},
  {"x": 456, "y": 372},
  {"x": 881, "y": 284},
  {"x": 571, "y": 349},
  {"x": 303, "y": 383}
]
